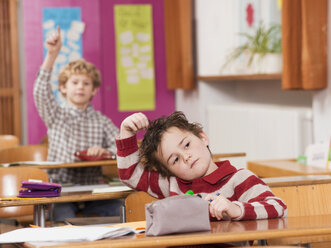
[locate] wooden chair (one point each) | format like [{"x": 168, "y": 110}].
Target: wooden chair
[
  {"x": 44, "y": 141},
  {"x": 10, "y": 181},
  {"x": 7, "y": 141},
  {"x": 135, "y": 205},
  {"x": 305, "y": 200},
  {"x": 218, "y": 156},
  {"x": 111, "y": 171},
  {"x": 23, "y": 153},
  {"x": 135, "y": 202},
  {"x": 266, "y": 246},
  {"x": 238, "y": 160}
]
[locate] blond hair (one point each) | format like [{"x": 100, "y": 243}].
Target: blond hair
[{"x": 80, "y": 67}]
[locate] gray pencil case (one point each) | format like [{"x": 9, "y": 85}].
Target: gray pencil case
[{"x": 177, "y": 214}]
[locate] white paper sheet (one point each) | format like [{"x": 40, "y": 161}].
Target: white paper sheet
[
  {"x": 63, "y": 234},
  {"x": 30, "y": 163},
  {"x": 111, "y": 189}
]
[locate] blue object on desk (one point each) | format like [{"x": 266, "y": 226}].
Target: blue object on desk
[{"x": 217, "y": 194}]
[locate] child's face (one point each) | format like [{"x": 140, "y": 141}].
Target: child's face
[
  {"x": 185, "y": 154},
  {"x": 78, "y": 90}
]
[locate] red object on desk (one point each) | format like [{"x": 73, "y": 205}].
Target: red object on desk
[{"x": 83, "y": 156}]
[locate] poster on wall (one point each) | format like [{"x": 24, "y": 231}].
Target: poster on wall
[
  {"x": 134, "y": 57},
  {"x": 69, "y": 20},
  {"x": 256, "y": 12},
  {"x": 259, "y": 39}
]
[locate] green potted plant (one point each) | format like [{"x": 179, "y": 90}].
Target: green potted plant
[{"x": 262, "y": 49}]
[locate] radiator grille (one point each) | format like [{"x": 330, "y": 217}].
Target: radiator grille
[{"x": 262, "y": 132}]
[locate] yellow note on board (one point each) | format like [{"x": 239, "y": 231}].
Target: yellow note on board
[{"x": 135, "y": 57}]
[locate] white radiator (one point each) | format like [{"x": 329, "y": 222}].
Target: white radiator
[{"x": 262, "y": 132}]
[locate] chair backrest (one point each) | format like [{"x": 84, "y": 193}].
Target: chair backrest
[
  {"x": 135, "y": 205},
  {"x": 238, "y": 160},
  {"x": 10, "y": 184},
  {"x": 301, "y": 200},
  {"x": 7, "y": 141},
  {"x": 272, "y": 246},
  {"x": 23, "y": 153},
  {"x": 218, "y": 156},
  {"x": 305, "y": 200}
]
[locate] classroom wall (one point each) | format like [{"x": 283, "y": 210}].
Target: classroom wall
[
  {"x": 211, "y": 17},
  {"x": 99, "y": 48},
  {"x": 33, "y": 47},
  {"x": 217, "y": 25},
  {"x": 322, "y": 99},
  {"x": 165, "y": 99}
]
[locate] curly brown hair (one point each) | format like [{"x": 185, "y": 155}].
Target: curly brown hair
[
  {"x": 80, "y": 66},
  {"x": 153, "y": 136}
]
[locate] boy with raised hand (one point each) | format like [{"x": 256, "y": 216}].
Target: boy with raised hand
[
  {"x": 74, "y": 126},
  {"x": 174, "y": 157}
]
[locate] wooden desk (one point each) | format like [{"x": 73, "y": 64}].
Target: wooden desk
[
  {"x": 76, "y": 164},
  {"x": 283, "y": 167},
  {"x": 113, "y": 162},
  {"x": 41, "y": 203},
  {"x": 296, "y": 180},
  {"x": 221, "y": 232},
  {"x": 109, "y": 167}
]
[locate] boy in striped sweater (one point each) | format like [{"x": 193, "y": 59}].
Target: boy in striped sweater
[{"x": 174, "y": 157}]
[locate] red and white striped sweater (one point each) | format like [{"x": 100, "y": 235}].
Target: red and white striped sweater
[{"x": 241, "y": 186}]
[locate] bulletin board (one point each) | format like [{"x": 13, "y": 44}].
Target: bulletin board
[
  {"x": 134, "y": 56},
  {"x": 98, "y": 47},
  {"x": 164, "y": 98},
  {"x": 70, "y": 21}
]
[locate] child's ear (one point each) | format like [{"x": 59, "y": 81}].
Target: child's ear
[
  {"x": 204, "y": 138},
  {"x": 94, "y": 91},
  {"x": 63, "y": 89}
]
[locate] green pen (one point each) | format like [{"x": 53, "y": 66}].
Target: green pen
[{"x": 189, "y": 192}]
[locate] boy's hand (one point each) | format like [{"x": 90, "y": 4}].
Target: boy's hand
[
  {"x": 222, "y": 208},
  {"x": 54, "y": 42},
  {"x": 132, "y": 124},
  {"x": 98, "y": 151}
]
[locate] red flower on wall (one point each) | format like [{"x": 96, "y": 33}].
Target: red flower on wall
[{"x": 249, "y": 15}]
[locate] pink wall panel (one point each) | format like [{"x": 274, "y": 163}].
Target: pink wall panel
[
  {"x": 33, "y": 47},
  {"x": 165, "y": 103},
  {"x": 98, "y": 48}
]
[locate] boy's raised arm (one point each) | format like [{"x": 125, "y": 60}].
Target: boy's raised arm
[
  {"x": 132, "y": 124},
  {"x": 53, "y": 44}
]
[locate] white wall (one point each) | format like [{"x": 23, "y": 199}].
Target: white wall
[
  {"x": 217, "y": 27},
  {"x": 322, "y": 99}
]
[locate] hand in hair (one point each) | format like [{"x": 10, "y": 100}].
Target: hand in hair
[{"x": 132, "y": 124}]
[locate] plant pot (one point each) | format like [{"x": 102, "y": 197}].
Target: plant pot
[{"x": 270, "y": 63}]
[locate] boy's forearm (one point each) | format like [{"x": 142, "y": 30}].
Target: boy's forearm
[
  {"x": 49, "y": 61},
  {"x": 126, "y": 134}
]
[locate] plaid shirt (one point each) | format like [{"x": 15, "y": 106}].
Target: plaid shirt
[{"x": 70, "y": 129}]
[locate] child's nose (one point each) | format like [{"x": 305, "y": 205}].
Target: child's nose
[{"x": 187, "y": 156}]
